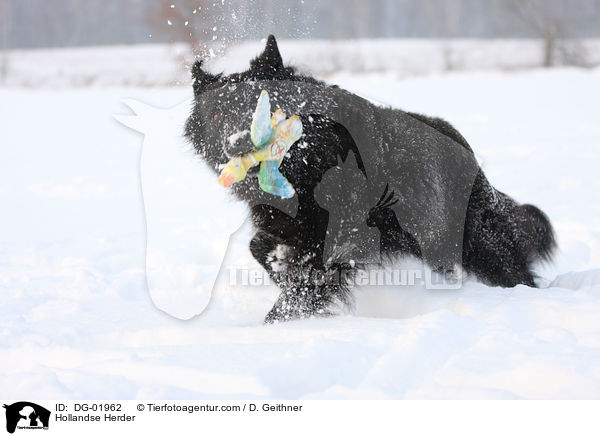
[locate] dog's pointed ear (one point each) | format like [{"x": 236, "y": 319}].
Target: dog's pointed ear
[
  {"x": 201, "y": 78},
  {"x": 270, "y": 60}
]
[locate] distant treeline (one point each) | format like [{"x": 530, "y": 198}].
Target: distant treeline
[{"x": 55, "y": 23}]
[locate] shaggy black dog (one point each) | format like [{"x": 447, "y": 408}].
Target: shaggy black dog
[{"x": 498, "y": 238}]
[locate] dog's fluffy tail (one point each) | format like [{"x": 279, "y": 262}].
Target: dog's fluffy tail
[{"x": 540, "y": 241}]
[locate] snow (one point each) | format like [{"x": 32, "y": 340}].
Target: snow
[
  {"x": 406, "y": 57},
  {"x": 165, "y": 65},
  {"x": 142, "y": 65},
  {"x": 77, "y": 320}
]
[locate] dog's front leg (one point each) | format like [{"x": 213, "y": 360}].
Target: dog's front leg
[{"x": 308, "y": 289}]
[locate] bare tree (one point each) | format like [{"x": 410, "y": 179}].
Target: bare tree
[
  {"x": 551, "y": 21},
  {"x": 5, "y": 14},
  {"x": 362, "y": 15},
  {"x": 444, "y": 20},
  {"x": 184, "y": 20}
]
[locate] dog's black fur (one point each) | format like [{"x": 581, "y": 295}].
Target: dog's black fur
[{"x": 501, "y": 238}]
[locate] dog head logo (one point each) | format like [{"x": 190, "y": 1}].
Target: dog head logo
[{"x": 26, "y": 415}]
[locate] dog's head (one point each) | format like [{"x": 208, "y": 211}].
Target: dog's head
[
  {"x": 219, "y": 118},
  {"x": 223, "y": 107}
]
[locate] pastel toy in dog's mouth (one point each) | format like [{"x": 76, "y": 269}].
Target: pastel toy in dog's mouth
[{"x": 272, "y": 135}]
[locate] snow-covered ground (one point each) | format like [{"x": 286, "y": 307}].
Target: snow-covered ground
[
  {"x": 165, "y": 65},
  {"x": 76, "y": 320}
]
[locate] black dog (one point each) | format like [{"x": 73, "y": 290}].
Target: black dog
[{"x": 417, "y": 200}]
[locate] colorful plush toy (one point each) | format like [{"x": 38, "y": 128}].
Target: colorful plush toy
[{"x": 273, "y": 135}]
